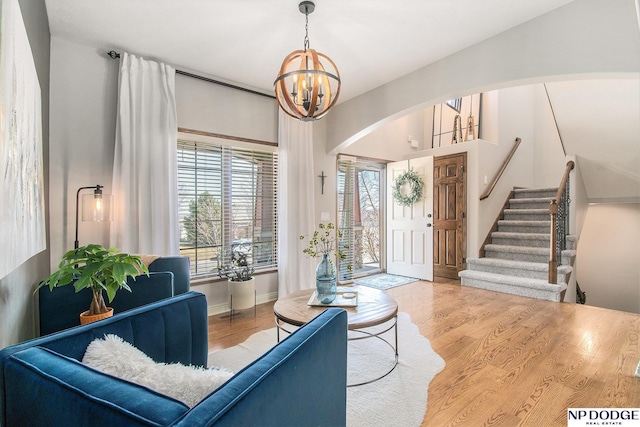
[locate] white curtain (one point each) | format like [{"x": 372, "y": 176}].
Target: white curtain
[
  {"x": 296, "y": 207},
  {"x": 145, "y": 189}
]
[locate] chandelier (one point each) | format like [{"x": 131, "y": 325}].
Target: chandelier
[{"x": 312, "y": 77}]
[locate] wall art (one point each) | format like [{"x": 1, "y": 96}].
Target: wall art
[{"x": 22, "y": 221}]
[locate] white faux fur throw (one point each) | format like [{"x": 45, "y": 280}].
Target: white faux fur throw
[{"x": 188, "y": 384}]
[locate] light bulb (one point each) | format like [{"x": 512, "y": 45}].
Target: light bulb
[{"x": 98, "y": 211}]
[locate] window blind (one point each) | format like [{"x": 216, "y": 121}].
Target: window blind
[
  {"x": 227, "y": 204},
  {"x": 346, "y": 190}
]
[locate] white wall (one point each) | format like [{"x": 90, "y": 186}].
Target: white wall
[
  {"x": 209, "y": 107},
  {"x": 608, "y": 258},
  {"x": 390, "y": 142},
  {"x": 327, "y": 164},
  {"x": 83, "y": 117},
  {"x": 548, "y": 155}
]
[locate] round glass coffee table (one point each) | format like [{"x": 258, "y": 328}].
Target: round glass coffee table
[{"x": 374, "y": 308}]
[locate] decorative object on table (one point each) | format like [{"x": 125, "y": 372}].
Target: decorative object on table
[
  {"x": 94, "y": 208},
  {"x": 345, "y": 297},
  {"x": 324, "y": 243},
  {"x": 312, "y": 76},
  {"x": 415, "y": 185},
  {"x": 240, "y": 280},
  {"x": 96, "y": 268}
]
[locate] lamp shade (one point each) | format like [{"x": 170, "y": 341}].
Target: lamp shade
[{"x": 96, "y": 208}]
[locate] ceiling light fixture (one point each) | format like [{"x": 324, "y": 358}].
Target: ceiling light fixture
[{"x": 313, "y": 78}]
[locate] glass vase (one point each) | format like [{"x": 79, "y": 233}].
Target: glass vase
[{"x": 326, "y": 280}]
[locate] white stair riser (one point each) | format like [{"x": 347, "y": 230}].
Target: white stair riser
[
  {"x": 509, "y": 228},
  {"x": 513, "y": 204},
  {"x": 532, "y": 274},
  {"x": 514, "y": 241},
  {"x": 514, "y": 215},
  {"x": 551, "y": 295},
  {"x": 516, "y": 256},
  {"x": 531, "y": 194}
]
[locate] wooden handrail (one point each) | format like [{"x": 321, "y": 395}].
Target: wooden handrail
[
  {"x": 565, "y": 177},
  {"x": 501, "y": 171},
  {"x": 553, "y": 213}
]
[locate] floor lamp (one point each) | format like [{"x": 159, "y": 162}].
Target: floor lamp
[{"x": 95, "y": 207}]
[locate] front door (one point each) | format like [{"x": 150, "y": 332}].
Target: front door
[
  {"x": 449, "y": 207},
  {"x": 409, "y": 228}
]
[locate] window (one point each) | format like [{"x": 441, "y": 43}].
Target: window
[
  {"x": 227, "y": 204},
  {"x": 359, "y": 216}
]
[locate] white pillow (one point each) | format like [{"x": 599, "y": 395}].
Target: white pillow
[{"x": 189, "y": 384}]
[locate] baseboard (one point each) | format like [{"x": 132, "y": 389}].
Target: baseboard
[{"x": 214, "y": 310}]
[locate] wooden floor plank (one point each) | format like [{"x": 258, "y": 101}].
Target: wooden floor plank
[{"x": 510, "y": 360}]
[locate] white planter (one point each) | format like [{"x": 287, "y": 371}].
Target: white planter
[{"x": 242, "y": 294}]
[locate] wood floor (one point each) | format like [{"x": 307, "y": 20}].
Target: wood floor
[{"x": 510, "y": 360}]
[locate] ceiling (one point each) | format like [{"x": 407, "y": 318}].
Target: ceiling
[
  {"x": 372, "y": 42},
  {"x": 244, "y": 41}
]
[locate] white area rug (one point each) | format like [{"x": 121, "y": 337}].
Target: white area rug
[{"x": 399, "y": 399}]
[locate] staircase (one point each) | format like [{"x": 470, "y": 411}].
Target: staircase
[{"x": 517, "y": 259}]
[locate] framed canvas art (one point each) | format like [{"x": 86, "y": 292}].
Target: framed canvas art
[{"x": 22, "y": 221}]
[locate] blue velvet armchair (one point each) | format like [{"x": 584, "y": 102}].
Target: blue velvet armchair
[
  {"x": 44, "y": 383},
  {"x": 59, "y": 309}
]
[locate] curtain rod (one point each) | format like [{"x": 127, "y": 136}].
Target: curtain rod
[{"x": 114, "y": 55}]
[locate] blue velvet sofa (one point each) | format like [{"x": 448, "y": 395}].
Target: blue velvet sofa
[
  {"x": 299, "y": 382},
  {"x": 60, "y": 308}
]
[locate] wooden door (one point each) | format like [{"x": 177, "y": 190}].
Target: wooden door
[
  {"x": 409, "y": 228},
  {"x": 449, "y": 207}
]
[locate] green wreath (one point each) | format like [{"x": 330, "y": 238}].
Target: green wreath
[{"x": 415, "y": 184}]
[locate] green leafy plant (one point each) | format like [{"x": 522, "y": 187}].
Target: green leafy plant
[
  {"x": 324, "y": 241},
  {"x": 98, "y": 269},
  {"x": 238, "y": 269}
]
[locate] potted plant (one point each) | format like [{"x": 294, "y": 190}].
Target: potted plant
[
  {"x": 98, "y": 269},
  {"x": 241, "y": 283},
  {"x": 324, "y": 243}
]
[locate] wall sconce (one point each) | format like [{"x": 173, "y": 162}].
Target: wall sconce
[{"x": 96, "y": 207}]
